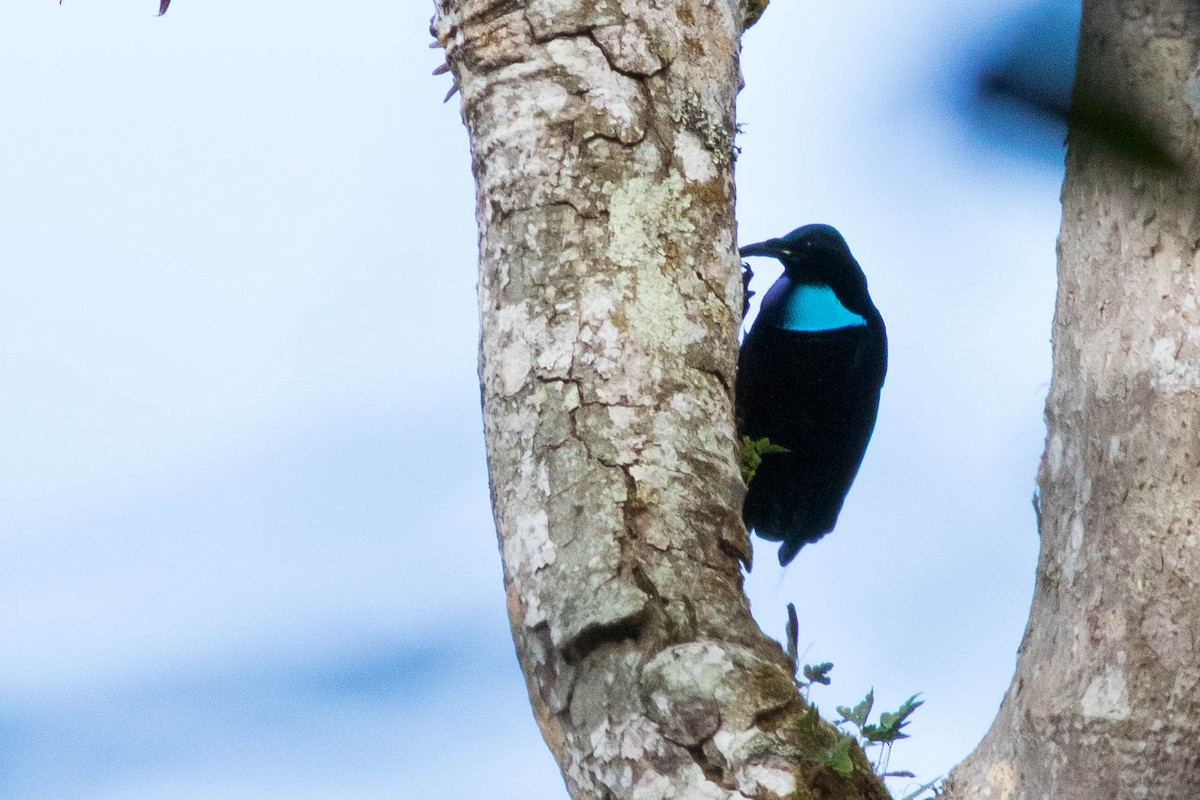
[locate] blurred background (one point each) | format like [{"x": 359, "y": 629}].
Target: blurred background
[{"x": 245, "y": 542}]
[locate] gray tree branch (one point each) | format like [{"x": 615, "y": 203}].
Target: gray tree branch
[{"x": 1106, "y": 698}]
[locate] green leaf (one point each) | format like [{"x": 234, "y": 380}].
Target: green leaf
[
  {"x": 907, "y": 708},
  {"x": 837, "y": 756},
  {"x": 858, "y": 715},
  {"x": 819, "y": 674},
  {"x": 890, "y": 724}
]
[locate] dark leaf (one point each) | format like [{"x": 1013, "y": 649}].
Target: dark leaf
[
  {"x": 818, "y": 673},
  {"x": 897, "y": 720},
  {"x": 874, "y": 733}
]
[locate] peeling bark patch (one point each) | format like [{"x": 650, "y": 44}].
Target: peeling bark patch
[{"x": 1107, "y": 697}]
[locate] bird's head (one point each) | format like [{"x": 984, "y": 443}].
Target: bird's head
[
  {"x": 814, "y": 254},
  {"x": 801, "y": 246}
]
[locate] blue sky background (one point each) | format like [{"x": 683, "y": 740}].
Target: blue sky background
[{"x": 245, "y": 542}]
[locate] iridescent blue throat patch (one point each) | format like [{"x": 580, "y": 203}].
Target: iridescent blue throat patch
[{"x": 805, "y": 307}]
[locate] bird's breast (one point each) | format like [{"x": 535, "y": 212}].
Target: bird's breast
[{"x": 794, "y": 306}]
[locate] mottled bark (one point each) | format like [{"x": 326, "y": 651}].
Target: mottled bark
[
  {"x": 610, "y": 296},
  {"x": 1106, "y": 698}
]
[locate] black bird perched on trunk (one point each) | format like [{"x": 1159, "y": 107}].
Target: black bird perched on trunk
[{"x": 809, "y": 377}]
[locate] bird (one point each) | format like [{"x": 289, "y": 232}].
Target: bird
[{"x": 810, "y": 372}]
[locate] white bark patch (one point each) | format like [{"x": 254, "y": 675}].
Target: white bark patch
[
  {"x": 698, "y": 668},
  {"x": 630, "y": 48},
  {"x": 777, "y": 781},
  {"x": 627, "y": 739},
  {"x": 697, "y": 162},
  {"x": 555, "y": 360},
  {"x": 552, "y": 100},
  {"x": 1054, "y": 455},
  {"x": 513, "y": 325},
  {"x": 615, "y": 100},
  {"x": 687, "y": 784},
  {"x": 1107, "y": 697},
  {"x": 736, "y": 746},
  {"x": 527, "y": 552},
  {"x": 1002, "y": 779},
  {"x": 1071, "y": 557},
  {"x": 520, "y": 142},
  {"x": 1191, "y": 92},
  {"x": 1170, "y": 371}
]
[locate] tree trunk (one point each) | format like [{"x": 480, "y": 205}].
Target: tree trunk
[
  {"x": 1105, "y": 702},
  {"x": 610, "y": 297}
]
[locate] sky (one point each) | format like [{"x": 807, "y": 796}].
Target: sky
[{"x": 245, "y": 542}]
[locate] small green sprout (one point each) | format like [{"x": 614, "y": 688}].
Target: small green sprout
[{"x": 753, "y": 451}]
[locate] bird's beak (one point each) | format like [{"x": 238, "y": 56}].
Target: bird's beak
[{"x": 775, "y": 248}]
